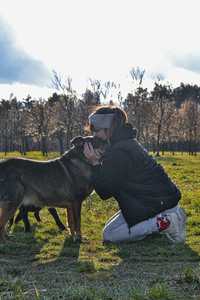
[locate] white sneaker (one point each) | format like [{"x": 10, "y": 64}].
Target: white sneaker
[
  {"x": 183, "y": 218},
  {"x": 176, "y": 232}
]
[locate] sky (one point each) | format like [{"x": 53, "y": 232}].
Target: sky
[{"x": 98, "y": 39}]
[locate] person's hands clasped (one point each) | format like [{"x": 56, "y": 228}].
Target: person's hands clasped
[{"x": 92, "y": 155}]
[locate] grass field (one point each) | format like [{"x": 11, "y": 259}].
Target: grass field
[{"x": 46, "y": 264}]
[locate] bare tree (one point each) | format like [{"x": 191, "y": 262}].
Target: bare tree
[
  {"x": 161, "y": 98},
  {"x": 189, "y": 114},
  {"x": 38, "y": 123},
  {"x": 137, "y": 74},
  {"x": 137, "y": 108},
  {"x": 61, "y": 83}
]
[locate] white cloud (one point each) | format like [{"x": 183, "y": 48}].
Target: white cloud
[
  {"x": 105, "y": 39},
  {"x": 16, "y": 65}
]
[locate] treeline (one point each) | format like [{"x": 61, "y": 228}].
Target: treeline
[{"x": 167, "y": 119}]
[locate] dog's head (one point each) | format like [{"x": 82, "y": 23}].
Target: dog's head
[
  {"x": 77, "y": 146},
  {"x": 79, "y": 141}
]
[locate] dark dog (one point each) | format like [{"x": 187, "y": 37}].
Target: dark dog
[
  {"x": 23, "y": 215},
  {"x": 63, "y": 182}
]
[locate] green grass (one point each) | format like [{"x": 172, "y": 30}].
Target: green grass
[{"x": 46, "y": 264}]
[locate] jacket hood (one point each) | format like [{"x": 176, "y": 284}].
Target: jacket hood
[{"x": 123, "y": 133}]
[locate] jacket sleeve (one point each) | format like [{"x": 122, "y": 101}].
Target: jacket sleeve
[{"x": 111, "y": 174}]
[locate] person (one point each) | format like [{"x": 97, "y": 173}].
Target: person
[{"x": 148, "y": 199}]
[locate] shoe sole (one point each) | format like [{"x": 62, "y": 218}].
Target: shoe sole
[
  {"x": 168, "y": 235},
  {"x": 181, "y": 216}
]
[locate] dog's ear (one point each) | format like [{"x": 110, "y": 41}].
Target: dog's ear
[{"x": 78, "y": 141}]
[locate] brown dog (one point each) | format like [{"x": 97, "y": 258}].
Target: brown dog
[{"x": 62, "y": 182}]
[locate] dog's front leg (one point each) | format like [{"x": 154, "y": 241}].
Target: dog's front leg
[
  {"x": 77, "y": 217},
  {"x": 71, "y": 221}
]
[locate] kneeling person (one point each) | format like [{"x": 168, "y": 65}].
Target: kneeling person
[{"x": 147, "y": 197}]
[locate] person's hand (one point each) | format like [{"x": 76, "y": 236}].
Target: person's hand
[{"x": 93, "y": 156}]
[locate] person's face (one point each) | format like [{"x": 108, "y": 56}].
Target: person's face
[{"x": 101, "y": 134}]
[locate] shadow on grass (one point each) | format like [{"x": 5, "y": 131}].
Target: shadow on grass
[
  {"x": 69, "y": 252},
  {"x": 19, "y": 250},
  {"x": 138, "y": 265},
  {"x": 155, "y": 249},
  {"x": 23, "y": 251},
  {"x": 155, "y": 260}
]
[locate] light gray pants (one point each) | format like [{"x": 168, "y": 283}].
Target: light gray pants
[{"x": 116, "y": 229}]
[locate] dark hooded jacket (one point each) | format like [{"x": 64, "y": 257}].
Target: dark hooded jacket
[{"x": 134, "y": 178}]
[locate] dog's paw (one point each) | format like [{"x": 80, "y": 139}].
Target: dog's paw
[{"x": 67, "y": 230}]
